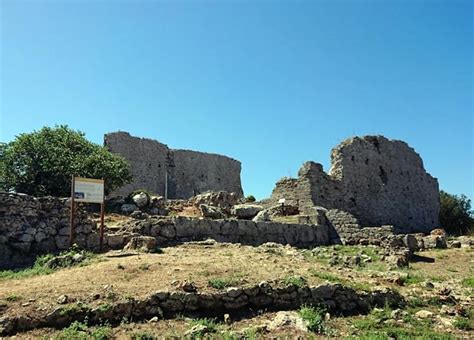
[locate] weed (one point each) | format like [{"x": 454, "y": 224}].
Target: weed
[
  {"x": 463, "y": 323},
  {"x": 221, "y": 283},
  {"x": 314, "y": 317},
  {"x": 325, "y": 276},
  {"x": 80, "y": 331},
  {"x": 143, "y": 336},
  {"x": 13, "y": 298},
  {"x": 411, "y": 279},
  {"x": 210, "y": 327},
  {"x": 297, "y": 281}
]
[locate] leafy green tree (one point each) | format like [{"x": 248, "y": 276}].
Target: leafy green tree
[
  {"x": 42, "y": 162},
  {"x": 455, "y": 215}
]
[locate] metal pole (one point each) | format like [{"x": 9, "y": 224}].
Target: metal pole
[{"x": 71, "y": 220}]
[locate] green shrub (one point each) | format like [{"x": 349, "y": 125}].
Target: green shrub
[
  {"x": 41, "y": 163},
  {"x": 297, "y": 281},
  {"x": 221, "y": 283},
  {"x": 250, "y": 198},
  {"x": 455, "y": 215},
  {"x": 314, "y": 317}
]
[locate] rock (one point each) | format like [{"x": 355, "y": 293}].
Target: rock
[
  {"x": 438, "y": 232},
  {"x": 139, "y": 215},
  {"x": 429, "y": 285},
  {"x": 435, "y": 241},
  {"x": 189, "y": 286},
  {"x": 222, "y": 199},
  {"x": 128, "y": 208},
  {"x": 398, "y": 259},
  {"x": 287, "y": 320},
  {"x": 454, "y": 244},
  {"x": 154, "y": 319},
  {"x": 209, "y": 211},
  {"x": 141, "y": 199},
  {"x": 246, "y": 211},
  {"x": 424, "y": 314},
  {"x": 115, "y": 241},
  {"x": 262, "y": 216},
  {"x": 141, "y": 243},
  {"x": 197, "y": 331},
  {"x": 157, "y": 202},
  {"x": 227, "y": 319},
  {"x": 63, "y": 299}
]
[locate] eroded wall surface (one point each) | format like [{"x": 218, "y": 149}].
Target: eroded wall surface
[
  {"x": 380, "y": 181},
  {"x": 189, "y": 172}
]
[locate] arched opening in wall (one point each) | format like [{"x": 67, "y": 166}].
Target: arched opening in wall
[{"x": 383, "y": 175}]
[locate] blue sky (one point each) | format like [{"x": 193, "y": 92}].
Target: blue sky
[{"x": 270, "y": 83}]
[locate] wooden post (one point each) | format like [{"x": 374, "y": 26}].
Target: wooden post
[
  {"x": 71, "y": 220},
  {"x": 102, "y": 210}
]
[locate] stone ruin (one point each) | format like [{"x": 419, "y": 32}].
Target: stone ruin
[
  {"x": 182, "y": 173},
  {"x": 377, "y": 180}
]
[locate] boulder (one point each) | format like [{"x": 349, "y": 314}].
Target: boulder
[
  {"x": 210, "y": 211},
  {"x": 141, "y": 199},
  {"x": 141, "y": 243},
  {"x": 262, "y": 216},
  {"x": 128, "y": 208},
  {"x": 246, "y": 211},
  {"x": 221, "y": 199}
]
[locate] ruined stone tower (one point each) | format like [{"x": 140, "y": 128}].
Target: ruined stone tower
[
  {"x": 380, "y": 181},
  {"x": 182, "y": 173}
]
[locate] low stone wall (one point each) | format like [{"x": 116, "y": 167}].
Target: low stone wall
[
  {"x": 173, "y": 230},
  {"x": 31, "y": 226},
  {"x": 337, "y": 299},
  {"x": 345, "y": 228}
]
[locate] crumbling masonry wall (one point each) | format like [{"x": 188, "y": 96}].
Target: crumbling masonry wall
[
  {"x": 189, "y": 172},
  {"x": 379, "y": 181}
]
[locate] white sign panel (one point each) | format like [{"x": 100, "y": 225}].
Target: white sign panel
[{"x": 88, "y": 190}]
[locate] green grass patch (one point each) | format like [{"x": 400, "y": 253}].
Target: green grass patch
[
  {"x": 13, "y": 298},
  {"x": 411, "y": 279},
  {"x": 314, "y": 316},
  {"x": 297, "y": 281},
  {"x": 325, "y": 275},
  {"x": 80, "y": 331},
  {"x": 221, "y": 283},
  {"x": 379, "y": 325},
  {"x": 41, "y": 267},
  {"x": 463, "y": 323},
  {"x": 469, "y": 282}
]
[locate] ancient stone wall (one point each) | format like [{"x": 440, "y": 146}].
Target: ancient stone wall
[
  {"x": 31, "y": 226},
  {"x": 173, "y": 230},
  {"x": 379, "y": 181},
  {"x": 189, "y": 172}
]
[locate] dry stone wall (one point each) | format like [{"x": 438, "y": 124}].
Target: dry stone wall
[
  {"x": 336, "y": 298},
  {"x": 31, "y": 226},
  {"x": 189, "y": 172},
  {"x": 174, "y": 230},
  {"x": 379, "y": 181}
]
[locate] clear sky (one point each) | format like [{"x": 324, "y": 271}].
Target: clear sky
[{"x": 270, "y": 83}]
